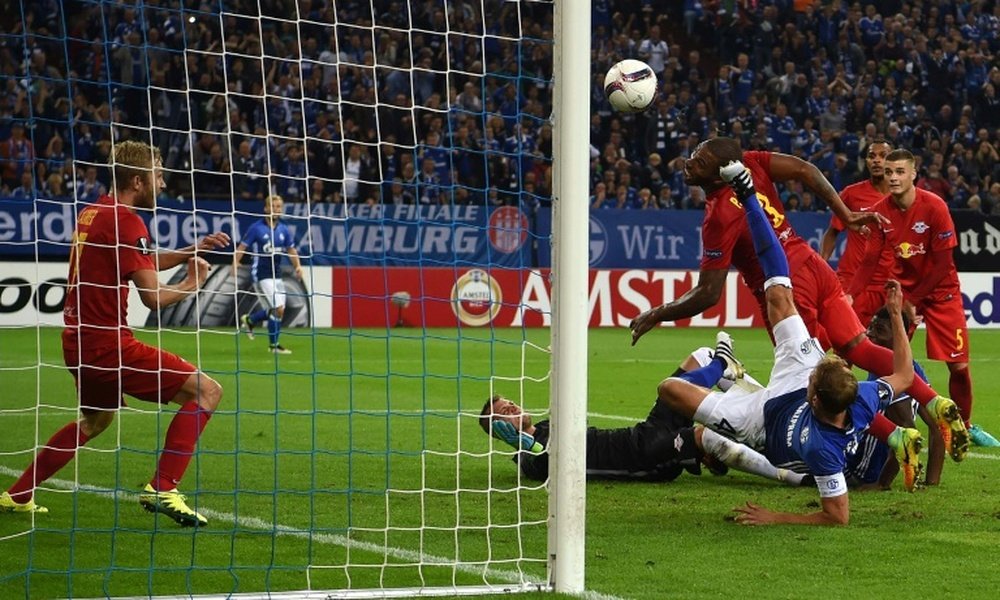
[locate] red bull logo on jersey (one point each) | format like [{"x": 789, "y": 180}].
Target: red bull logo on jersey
[
  {"x": 908, "y": 250},
  {"x": 920, "y": 227}
]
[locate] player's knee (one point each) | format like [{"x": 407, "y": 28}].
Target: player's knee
[
  {"x": 697, "y": 359},
  {"x": 94, "y": 423},
  {"x": 667, "y": 391},
  {"x": 279, "y": 312},
  {"x": 209, "y": 393}
]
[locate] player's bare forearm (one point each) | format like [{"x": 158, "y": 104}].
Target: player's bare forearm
[
  {"x": 836, "y": 511},
  {"x": 902, "y": 354},
  {"x": 828, "y": 243},
  {"x": 293, "y": 256},
  {"x": 168, "y": 259},
  {"x": 701, "y": 297},
  {"x": 156, "y": 295}
]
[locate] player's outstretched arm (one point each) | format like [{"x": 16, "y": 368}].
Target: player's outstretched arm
[
  {"x": 785, "y": 167},
  {"x": 835, "y": 511},
  {"x": 828, "y": 243},
  {"x": 156, "y": 295},
  {"x": 167, "y": 259},
  {"x": 698, "y": 299},
  {"x": 238, "y": 258},
  {"x": 293, "y": 255},
  {"x": 902, "y": 355}
]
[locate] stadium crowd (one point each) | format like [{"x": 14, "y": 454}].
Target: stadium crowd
[{"x": 427, "y": 102}]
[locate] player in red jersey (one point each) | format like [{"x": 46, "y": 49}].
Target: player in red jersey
[
  {"x": 915, "y": 248},
  {"x": 111, "y": 247},
  {"x": 818, "y": 296},
  {"x": 859, "y": 197}
]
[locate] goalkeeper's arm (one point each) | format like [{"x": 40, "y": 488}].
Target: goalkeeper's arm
[{"x": 519, "y": 440}]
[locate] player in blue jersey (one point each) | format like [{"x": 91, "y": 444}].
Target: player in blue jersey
[
  {"x": 813, "y": 410},
  {"x": 657, "y": 449},
  {"x": 268, "y": 240},
  {"x": 872, "y": 466}
]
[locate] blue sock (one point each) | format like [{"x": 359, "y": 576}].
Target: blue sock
[
  {"x": 273, "y": 329},
  {"x": 706, "y": 376},
  {"x": 771, "y": 255},
  {"x": 258, "y": 316}
]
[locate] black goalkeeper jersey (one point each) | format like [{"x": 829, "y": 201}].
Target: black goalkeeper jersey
[{"x": 657, "y": 449}]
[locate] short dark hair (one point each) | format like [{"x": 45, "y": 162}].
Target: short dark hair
[
  {"x": 880, "y": 140},
  {"x": 486, "y": 415},
  {"x": 899, "y": 154},
  {"x": 725, "y": 149},
  {"x": 883, "y": 315},
  {"x": 834, "y": 384}
]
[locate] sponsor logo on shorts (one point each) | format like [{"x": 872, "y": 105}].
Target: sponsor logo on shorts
[
  {"x": 956, "y": 354},
  {"x": 920, "y": 227},
  {"x": 832, "y": 484},
  {"x": 806, "y": 347},
  {"x": 678, "y": 442},
  {"x": 713, "y": 253}
]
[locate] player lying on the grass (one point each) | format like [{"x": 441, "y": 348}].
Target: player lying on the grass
[
  {"x": 813, "y": 409},
  {"x": 657, "y": 449},
  {"x": 111, "y": 247},
  {"x": 818, "y": 296},
  {"x": 878, "y": 467}
]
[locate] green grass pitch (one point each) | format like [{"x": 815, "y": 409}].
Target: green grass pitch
[{"x": 313, "y": 461}]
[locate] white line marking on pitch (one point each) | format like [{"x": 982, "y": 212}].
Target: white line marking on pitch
[{"x": 325, "y": 538}]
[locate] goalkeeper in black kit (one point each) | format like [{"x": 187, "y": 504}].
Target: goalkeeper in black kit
[{"x": 657, "y": 449}]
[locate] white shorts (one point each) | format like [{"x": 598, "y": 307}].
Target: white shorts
[
  {"x": 272, "y": 291},
  {"x": 739, "y": 413}
]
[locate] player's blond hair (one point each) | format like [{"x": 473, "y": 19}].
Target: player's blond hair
[
  {"x": 834, "y": 384},
  {"x": 269, "y": 199},
  {"x": 132, "y": 159}
]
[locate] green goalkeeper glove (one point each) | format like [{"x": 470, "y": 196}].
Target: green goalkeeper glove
[{"x": 519, "y": 440}]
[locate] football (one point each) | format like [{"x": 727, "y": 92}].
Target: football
[{"x": 630, "y": 86}]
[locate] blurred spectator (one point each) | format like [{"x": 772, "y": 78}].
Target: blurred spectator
[
  {"x": 16, "y": 155},
  {"x": 933, "y": 182},
  {"x": 26, "y": 189}
]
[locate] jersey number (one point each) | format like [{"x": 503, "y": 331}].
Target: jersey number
[
  {"x": 724, "y": 427},
  {"x": 776, "y": 217},
  {"x": 74, "y": 256}
]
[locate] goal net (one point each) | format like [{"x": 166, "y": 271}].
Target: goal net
[{"x": 412, "y": 144}]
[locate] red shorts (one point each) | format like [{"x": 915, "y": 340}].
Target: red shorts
[
  {"x": 821, "y": 301},
  {"x": 123, "y": 365},
  {"x": 947, "y": 332},
  {"x": 867, "y": 303}
]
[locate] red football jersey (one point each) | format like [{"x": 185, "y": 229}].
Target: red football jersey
[
  {"x": 725, "y": 234},
  {"x": 110, "y": 243},
  {"x": 912, "y": 235},
  {"x": 858, "y": 197}
]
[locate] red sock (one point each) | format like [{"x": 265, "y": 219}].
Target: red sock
[
  {"x": 59, "y": 450},
  {"x": 182, "y": 435},
  {"x": 881, "y": 427},
  {"x": 960, "y": 388},
  {"x": 878, "y": 360}
]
